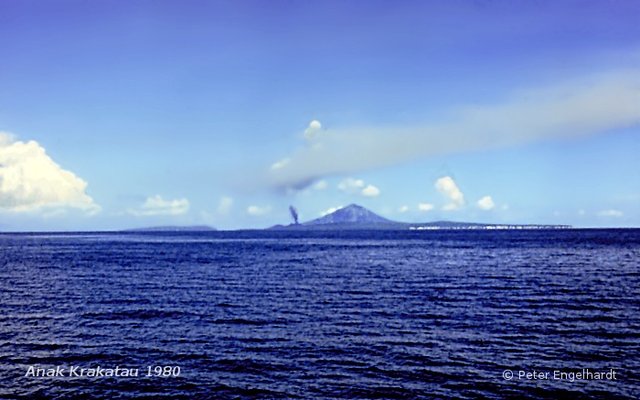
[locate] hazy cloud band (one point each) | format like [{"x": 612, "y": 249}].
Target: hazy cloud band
[{"x": 584, "y": 107}]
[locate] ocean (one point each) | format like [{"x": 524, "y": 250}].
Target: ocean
[{"x": 543, "y": 314}]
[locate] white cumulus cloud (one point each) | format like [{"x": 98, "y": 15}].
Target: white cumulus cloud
[
  {"x": 280, "y": 164},
  {"x": 449, "y": 189},
  {"x": 370, "y": 191},
  {"x": 312, "y": 130},
  {"x": 351, "y": 185},
  {"x": 611, "y": 213},
  {"x": 358, "y": 186},
  {"x": 486, "y": 203},
  {"x": 424, "y": 207},
  {"x": 257, "y": 211},
  {"x": 403, "y": 209},
  {"x": 30, "y": 180},
  {"x": 156, "y": 205},
  {"x": 330, "y": 210}
]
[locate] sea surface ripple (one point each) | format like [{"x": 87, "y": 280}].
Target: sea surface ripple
[{"x": 369, "y": 314}]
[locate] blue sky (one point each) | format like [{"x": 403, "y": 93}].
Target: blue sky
[{"x": 134, "y": 113}]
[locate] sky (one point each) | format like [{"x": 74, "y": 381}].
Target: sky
[{"x": 121, "y": 114}]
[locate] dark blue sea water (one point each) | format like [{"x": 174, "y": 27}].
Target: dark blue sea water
[{"x": 321, "y": 315}]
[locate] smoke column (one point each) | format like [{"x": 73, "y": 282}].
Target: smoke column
[{"x": 294, "y": 214}]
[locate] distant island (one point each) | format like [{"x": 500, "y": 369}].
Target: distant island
[
  {"x": 355, "y": 216},
  {"x": 171, "y": 228}
]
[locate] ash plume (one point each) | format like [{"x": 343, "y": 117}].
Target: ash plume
[{"x": 294, "y": 214}]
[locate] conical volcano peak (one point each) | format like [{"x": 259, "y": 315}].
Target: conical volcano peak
[{"x": 351, "y": 214}]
